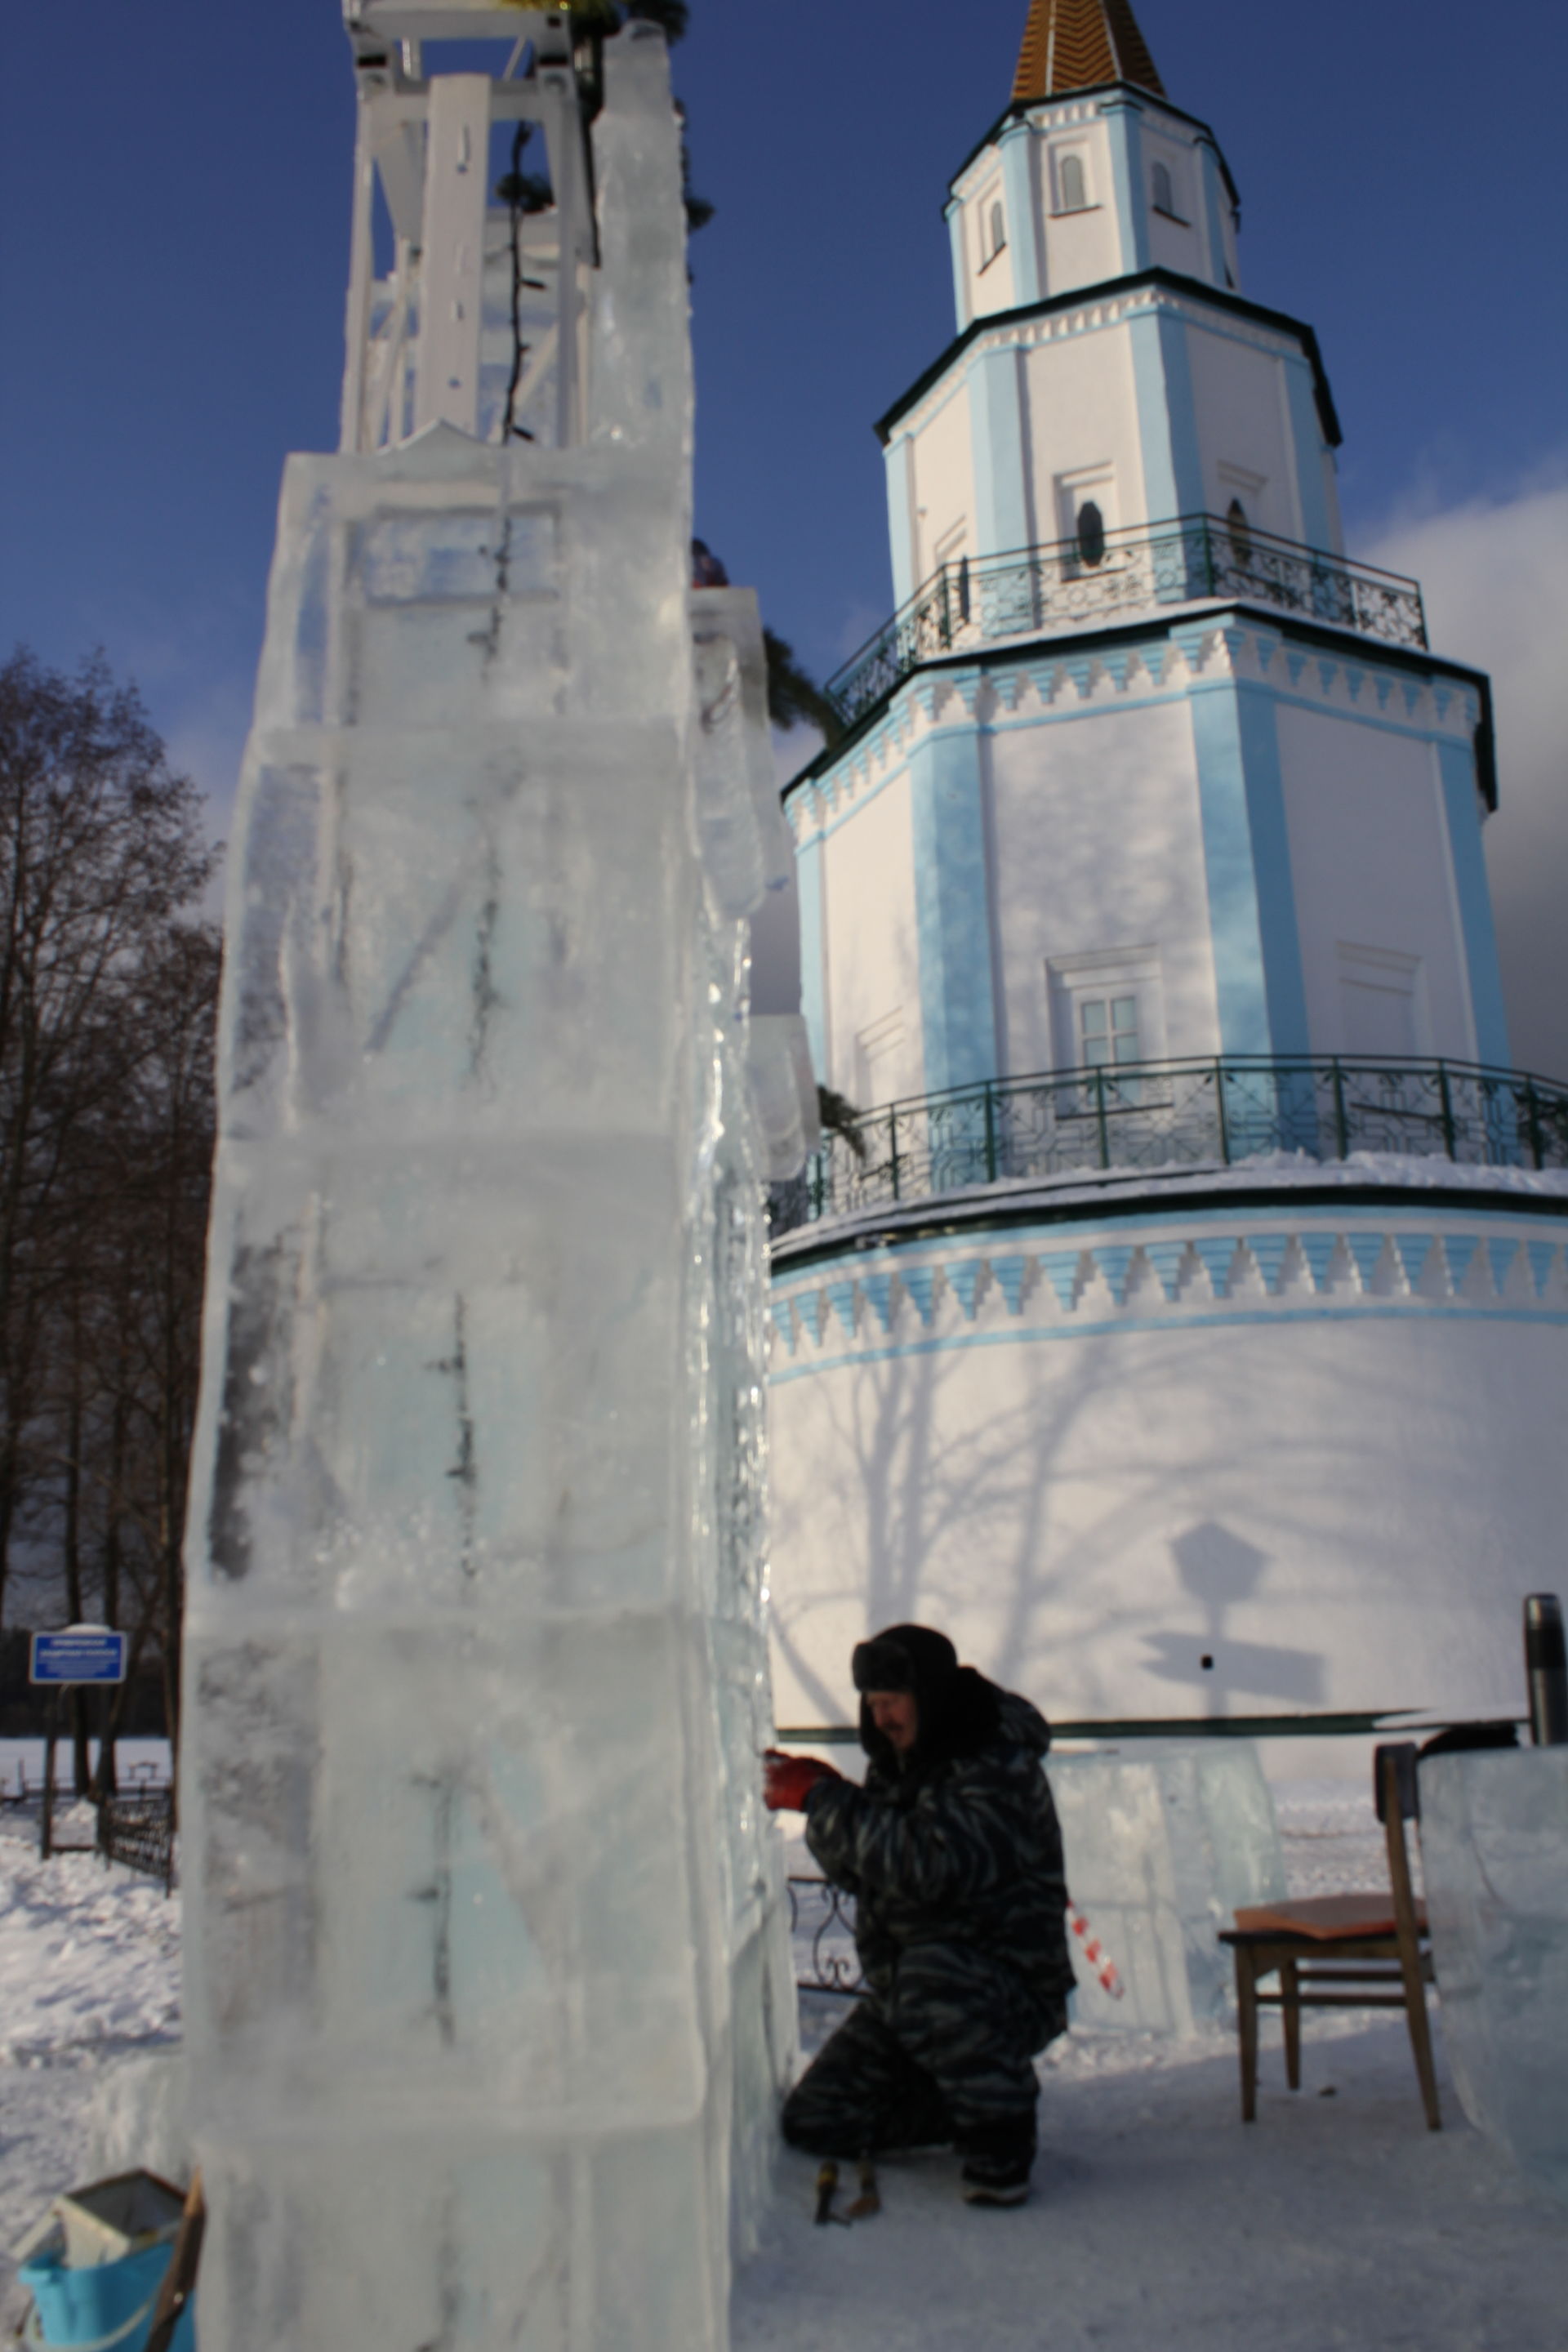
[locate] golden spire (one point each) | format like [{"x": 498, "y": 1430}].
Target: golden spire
[{"x": 1078, "y": 45}]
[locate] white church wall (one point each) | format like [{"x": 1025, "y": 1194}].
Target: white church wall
[
  {"x": 1277, "y": 1468},
  {"x": 1082, "y": 408},
  {"x": 1175, "y": 236},
  {"x": 1246, "y": 444},
  {"x": 1072, "y": 797},
  {"x": 942, "y": 473},
  {"x": 989, "y": 261},
  {"x": 1081, "y": 241},
  {"x": 875, "y": 1048},
  {"x": 1382, "y": 959}
]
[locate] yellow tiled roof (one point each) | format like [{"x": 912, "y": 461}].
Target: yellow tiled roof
[{"x": 1078, "y": 44}]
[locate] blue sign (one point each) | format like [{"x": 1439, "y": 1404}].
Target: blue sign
[{"x": 82, "y": 1653}]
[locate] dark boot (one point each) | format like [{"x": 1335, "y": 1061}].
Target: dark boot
[{"x": 998, "y": 2160}]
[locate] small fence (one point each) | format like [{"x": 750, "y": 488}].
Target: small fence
[
  {"x": 825, "y": 1914},
  {"x": 137, "y": 1828},
  {"x": 1173, "y": 1115},
  {"x": 1104, "y": 577}
]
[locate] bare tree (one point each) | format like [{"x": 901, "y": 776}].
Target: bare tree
[{"x": 107, "y": 996}]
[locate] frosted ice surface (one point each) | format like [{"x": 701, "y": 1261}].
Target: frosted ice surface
[
  {"x": 1162, "y": 1846},
  {"x": 488, "y": 1996},
  {"x": 1494, "y": 1844}
]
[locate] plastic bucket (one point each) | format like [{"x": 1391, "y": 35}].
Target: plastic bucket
[{"x": 108, "y": 2308}]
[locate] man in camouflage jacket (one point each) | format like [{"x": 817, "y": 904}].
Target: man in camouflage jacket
[{"x": 953, "y": 1854}]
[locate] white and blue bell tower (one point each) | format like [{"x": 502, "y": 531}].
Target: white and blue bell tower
[
  {"x": 1150, "y": 738},
  {"x": 1145, "y": 921}
]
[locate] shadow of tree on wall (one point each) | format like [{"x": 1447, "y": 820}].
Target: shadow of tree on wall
[{"x": 1105, "y": 1515}]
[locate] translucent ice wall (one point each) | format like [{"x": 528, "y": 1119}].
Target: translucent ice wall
[
  {"x": 1162, "y": 1847},
  {"x": 488, "y": 1990},
  {"x": 1494, "y": 1847}
]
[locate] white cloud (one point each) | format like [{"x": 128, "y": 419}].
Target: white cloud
[{"x": 1496, "y": 582}]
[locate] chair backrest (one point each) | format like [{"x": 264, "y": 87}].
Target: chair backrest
[
  {"x": 1398, "y": 1756},
  {"x": 1398, "y": 1800}
]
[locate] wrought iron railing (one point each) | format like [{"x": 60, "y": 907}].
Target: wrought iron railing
[
  {"x": 822, "y": 1921},
  {"x": 1159, "y": 1115},
  {"x": 1115, "y": 576}
]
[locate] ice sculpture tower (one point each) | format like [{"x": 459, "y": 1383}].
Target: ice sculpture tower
[
  {"x": 1186, "y": 1327},
  {"x": 487, "y": 1997}
]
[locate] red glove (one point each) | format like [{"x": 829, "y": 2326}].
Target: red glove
[{"x": 787, "y": 1778}]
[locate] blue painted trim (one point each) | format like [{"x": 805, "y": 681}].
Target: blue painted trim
[
  {"x": 1213, "y": 214},
  {"x": 955, "y": 237},
  {"x": 1022, "y": 211},
  {"x": 900, "y": 532},
  {"x": 996, "y": 441},
  {"x": 812, "y": 949},
  {"x": 1455, "y": 766},
  {"x": 1247, "y": 861},
  {"x": 1177, "y": 1326},
  {"x": 1312, "y": 456},
  {"x": 953, "y": 908},
  {"x": 1123, "y": 119},
  {"x": 1167, "y": 417}
]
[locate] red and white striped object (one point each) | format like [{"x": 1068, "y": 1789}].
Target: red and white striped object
[{"x": 1095, "y": 1953}]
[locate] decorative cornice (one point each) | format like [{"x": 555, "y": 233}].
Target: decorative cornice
[
  {"x": 1010, "y": 685},
  {"x": 1054, "y": 1283},
  {"x": 1153, "y": 284}
]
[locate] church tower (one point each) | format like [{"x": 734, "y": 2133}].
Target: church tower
[
  {"x": 1145, "y": 922},
  {"x": 1145, "y": 759}
]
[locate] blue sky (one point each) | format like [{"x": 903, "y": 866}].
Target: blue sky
[{"x": 173, "y": 202}]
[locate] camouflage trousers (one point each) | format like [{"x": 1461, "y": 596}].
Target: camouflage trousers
[{"x": 943, "y": 2053}]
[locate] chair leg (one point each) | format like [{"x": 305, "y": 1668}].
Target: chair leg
[
  {"x": 1290, "y": 2010},
  {"x": 1421, "y": 2038},
  {"x": 1246, "y": 2030}
]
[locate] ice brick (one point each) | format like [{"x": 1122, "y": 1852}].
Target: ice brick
[
  {"x": 1494, "y": 1846},
  {"x": 1161, "y": 1848}
]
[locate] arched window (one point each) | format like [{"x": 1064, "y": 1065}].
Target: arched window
[
  {"x": 1074, "y": 188},
  {"x": 1240, "y": 533},
  {"x": 1164, "y": 200},
  {"x": 1090, "y": 534},
  {"x": 997, "y": 231}
]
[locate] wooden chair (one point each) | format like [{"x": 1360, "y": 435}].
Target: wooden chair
[{"x": 1327, "y": 1948}]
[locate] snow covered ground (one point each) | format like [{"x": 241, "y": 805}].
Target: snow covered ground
[{"x": 1158, "y": 2223}]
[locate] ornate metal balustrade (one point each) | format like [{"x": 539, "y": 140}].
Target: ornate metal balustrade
[
  {"x": 1185, "y": 1114},
  {"x": 1119, "y": 575}
]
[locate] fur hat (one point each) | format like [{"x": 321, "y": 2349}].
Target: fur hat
[{"x": 957, "y": 1707}]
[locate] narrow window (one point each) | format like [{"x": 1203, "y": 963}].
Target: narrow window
[
  {"x": 998, "y": 229},
  {"x": 1164, "y": 202},
  {"x": 1240, "y": 532},
  {"x": 1090, "y": 534},
  {"x": 1108, "y": 1036},
  {"x": 1109, "y": 1030},
  {"x": 1074, "y": 192}
]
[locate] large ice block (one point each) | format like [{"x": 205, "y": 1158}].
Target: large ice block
[
  {"x": 1494, "y": 1848},
  {"x": 1161, "y": 1845},
  {"x": 488, "y": 1986}
]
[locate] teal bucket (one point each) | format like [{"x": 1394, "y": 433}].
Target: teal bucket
[{"x": 106, "y": 2308}]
